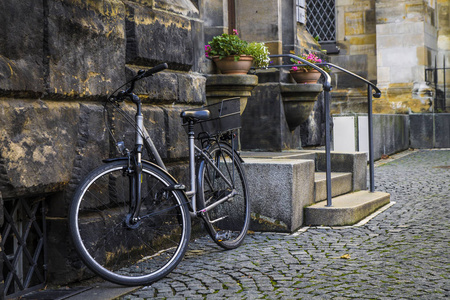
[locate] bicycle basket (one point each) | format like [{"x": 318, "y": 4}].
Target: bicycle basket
[{"x": 224, "y": 116}]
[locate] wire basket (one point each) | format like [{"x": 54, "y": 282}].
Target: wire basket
[{"x": 224, "y": 116}]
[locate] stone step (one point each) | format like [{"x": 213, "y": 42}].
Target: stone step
[
  {"x": 298, "y": 154},
  {"x": 346, "y": 209},
  {"x": 341, "y": 183}
]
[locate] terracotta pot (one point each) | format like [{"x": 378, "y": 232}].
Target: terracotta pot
[
  {"x": 301, "y": 76},
  {"x": 228, "y": 65}
]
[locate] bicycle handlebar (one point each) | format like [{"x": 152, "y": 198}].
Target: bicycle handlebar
[
  {"x": 141, "y": 74},
  {"x": 156, "y": 69}
]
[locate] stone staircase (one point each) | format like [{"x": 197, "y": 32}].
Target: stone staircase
[{"x": 288, "y": 189}]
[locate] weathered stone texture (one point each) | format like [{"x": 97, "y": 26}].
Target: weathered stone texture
[
  {"x": 390, "y": 134},
  {"x": 35, "y": 151},
  {"x": 182, "y": 7},
  {"x": 21, "y": 47},
  {"x": 170, "y": 87},
  {"x": 154, "y": 36},
  {"x": 86, "y": 47},
  {"x": 430, "y": 130}
]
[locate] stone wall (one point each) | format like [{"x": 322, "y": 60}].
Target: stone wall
[
  {"x": 406, "y": 45},
  {"x": 430, "y": 130},
  {"x": 58, "y": 62}
]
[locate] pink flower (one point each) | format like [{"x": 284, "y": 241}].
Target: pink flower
[
  {"x": 294, "y": 68},
  {"x": 207, "y": 50},
  {"x": 235, "y": 32}
]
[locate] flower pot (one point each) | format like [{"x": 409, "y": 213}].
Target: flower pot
[
  {"x": 228, "y": 65},
  {"x": 302, "y": 76},
  {"x": 298, "y": 102}
]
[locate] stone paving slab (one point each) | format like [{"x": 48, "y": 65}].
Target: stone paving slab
[{"x": 401, "y": 253}]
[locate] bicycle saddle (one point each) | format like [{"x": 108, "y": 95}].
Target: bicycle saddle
[{"x": 195, "y": 115}]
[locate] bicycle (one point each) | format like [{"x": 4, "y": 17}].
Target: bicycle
[{"x": 130, "y": 220}]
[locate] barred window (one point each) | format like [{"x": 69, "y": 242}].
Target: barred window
[
  {"x": 321, "y": 23},
  {"x": 322, "y": 20}
]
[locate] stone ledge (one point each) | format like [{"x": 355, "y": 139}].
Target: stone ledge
[{"x": 345, "y": 210}]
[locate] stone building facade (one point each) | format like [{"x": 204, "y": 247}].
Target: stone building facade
[
  {"x": 391, "y": 43},
  {"x": 59, "y": 59}
]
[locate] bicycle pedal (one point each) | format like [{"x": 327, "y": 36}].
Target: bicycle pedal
[
  {"x": 175, "y": 187},
  {"x": 223, "y": 236}
]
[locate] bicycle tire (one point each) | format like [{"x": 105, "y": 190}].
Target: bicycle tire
[
  {"x": 228, "y": 222},
  {"x": 113, "y": 250}
]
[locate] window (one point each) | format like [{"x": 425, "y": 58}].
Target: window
[{"x": 321, "y": 23}]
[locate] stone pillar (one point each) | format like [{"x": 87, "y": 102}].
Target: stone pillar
[{"x": 406, "y": 44}]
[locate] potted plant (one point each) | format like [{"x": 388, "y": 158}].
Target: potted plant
[
  {"x": 235, "y": 56},
  {"x": 305, "y": 73}
]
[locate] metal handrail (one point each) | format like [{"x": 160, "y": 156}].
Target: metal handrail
[{"x": 327, "y": 88}]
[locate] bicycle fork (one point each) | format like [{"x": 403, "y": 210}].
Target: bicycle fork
[{"x": 135, "y": 169}]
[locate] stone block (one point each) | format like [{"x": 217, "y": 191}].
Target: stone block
[
  {"x": 390, "y": 12},
  {"x": 161, "y": 87},
  {"x": 192, "y": 89},
  {"x": 430, "y": 130},
  {"x": 390, "y": 134},
  {"x": 354, "y": 23},
  {"x": 279, "y": 189},
  {"x": 175, "y": 136},
  {"x": 214, "y": 14},
  {"x": 346, "y": 209},
  {"x": 421, "y": 131},
  {"x": 44, "y": 143},
  {"x": 169, "y": 87},
  {"x": 86, "y": 47},
  {"x": 21, "y": 48},
  {"x": 259, "y": 23},
  {"x": 442, "y": 122},
  {"x": 155, "y": 36}
]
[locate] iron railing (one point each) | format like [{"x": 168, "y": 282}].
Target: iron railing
[
  {"x": 440, "y": 95},
  {"x": 327, "y": 88}
]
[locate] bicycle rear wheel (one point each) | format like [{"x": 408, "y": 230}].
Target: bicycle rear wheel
[
  {"x": 114, "y": 248},
  {"x": 228, "y": 222}
]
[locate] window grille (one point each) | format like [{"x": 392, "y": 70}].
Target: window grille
[
  {"x": 23, "y": 246},
  {"x": 321, "y": 17}
]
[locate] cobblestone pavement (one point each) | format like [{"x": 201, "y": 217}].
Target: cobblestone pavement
[{"x": 402, "y": 253}]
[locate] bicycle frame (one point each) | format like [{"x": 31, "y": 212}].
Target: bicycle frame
[{"x": 144, "y": 139}]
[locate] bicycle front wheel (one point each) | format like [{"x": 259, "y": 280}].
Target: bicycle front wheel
[
  {"x": 228, "y": 222},
  {"x": 113, "y": 247}
]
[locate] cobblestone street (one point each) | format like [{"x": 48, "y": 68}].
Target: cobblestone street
[{"x": 402, "y": 253}]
